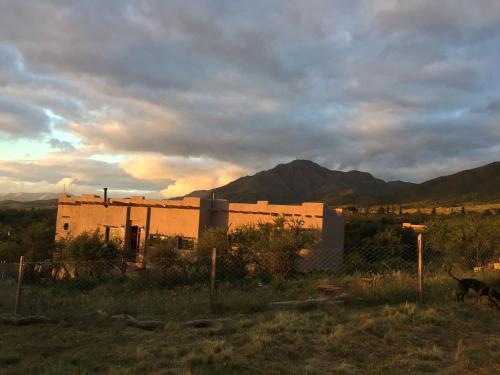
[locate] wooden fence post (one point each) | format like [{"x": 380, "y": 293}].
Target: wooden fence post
[
  {"x": 213, "y": 291},
  {"x": 19, "y": 282},
  {"x": 420, "y": 270}
]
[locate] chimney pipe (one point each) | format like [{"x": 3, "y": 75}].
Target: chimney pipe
[{"x": 105, "y": 197}]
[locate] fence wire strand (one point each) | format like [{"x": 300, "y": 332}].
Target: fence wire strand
[{"x": 252, "y": 277}]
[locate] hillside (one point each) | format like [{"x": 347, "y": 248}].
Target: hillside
[
  {"x": 18, "y": 205},
  {"x": 27, "y": 197},
  {"x": 304, "y": 180},
  {"x": 478, "y": 184}
]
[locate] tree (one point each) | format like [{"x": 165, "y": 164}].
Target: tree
[{"x": 467, "y": 240}]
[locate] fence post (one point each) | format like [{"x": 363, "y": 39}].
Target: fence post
[
  {"x": 19, "y": 282},
  {"x": 213, "y": 291},
  {"x": 420, "y": 270}
]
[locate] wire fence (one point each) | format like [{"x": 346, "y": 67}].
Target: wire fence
[{"x": 221, "y": 281}]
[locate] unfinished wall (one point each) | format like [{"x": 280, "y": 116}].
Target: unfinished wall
[
  {"x": 88, "y": 213},
  {"x": 189, "y": 217}
]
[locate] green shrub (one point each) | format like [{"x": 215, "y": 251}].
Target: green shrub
[
  {"x": 268, "y": 248},
  {"x": 464, "y": 240},
  {"x": 162, "y": 251},
  {"x": 166, "y": 266},
  {"x": 231, "y": 261},
  {"x": 88, "y": 247},
  {"x": 263, "y": 250},
  {"x": 27, "y": 232}
]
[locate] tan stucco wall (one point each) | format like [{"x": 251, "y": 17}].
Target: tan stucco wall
[
  {"x": 87, "y": 213},
  {"x": 243, "y": 213},
  {"x": 189, "y": 217}
]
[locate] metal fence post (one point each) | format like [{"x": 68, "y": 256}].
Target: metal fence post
[
  {"x": 213, "y": 292},
  {"x": 19, "y": 282},
  {"x": 420, "y": 270}
]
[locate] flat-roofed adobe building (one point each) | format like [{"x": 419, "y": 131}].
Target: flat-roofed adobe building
[{"x": 134, "y": 220}]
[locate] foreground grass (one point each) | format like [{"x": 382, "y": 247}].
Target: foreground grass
[{"x": 362, "y": 336}]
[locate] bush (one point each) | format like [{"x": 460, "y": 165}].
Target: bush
[
  {"x": 230, "y": 261},
  {"x": 27, "y": 232},
  {"x": 162, "y": 251},
  {"x": 88, "y": 247},
  {"x": 271, "y": 248},
  {"x": 263, "y": 250},
  {"x": 166, "y": 266},
  {"x": 465, "y": 240}
]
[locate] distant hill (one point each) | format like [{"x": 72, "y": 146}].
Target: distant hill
[
  {"x": 27, "y": 197},
  {"x": 43, "y": 203},
  {"x": 480, "y": 184},
  {"x": 303, "y": 180}
]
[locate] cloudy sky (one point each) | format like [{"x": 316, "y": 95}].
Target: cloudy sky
[{"x": 173, "y": 96}]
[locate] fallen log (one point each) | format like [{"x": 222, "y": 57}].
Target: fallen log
[
  {"x": 142, "y": 324},
  {"x": 24, "y": 320},
  {"x": 203, "y": 323},
  {"x": 306, "y": 302},
  {"x": 330, "y": 290}
]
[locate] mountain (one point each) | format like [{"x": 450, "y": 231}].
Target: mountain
[
  {"x": 302, "y": 181},
  {"x": 18, "y": 205},
  {"x": 27, "y": 197},
  {"x": 478, "y": 184}
]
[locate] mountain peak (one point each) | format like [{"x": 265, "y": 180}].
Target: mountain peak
[
  {"x": 300, "y": 181},
  {"x": 304, "y": 180},
  {"x": 302, "y": 163}
]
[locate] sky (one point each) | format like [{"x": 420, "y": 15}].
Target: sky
[{"x": 160, "y": 98}]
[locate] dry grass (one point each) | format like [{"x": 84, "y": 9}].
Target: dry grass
[{"x": 361, "y": 337}]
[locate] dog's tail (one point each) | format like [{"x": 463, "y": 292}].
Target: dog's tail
[{"x": 449, "y": 272}]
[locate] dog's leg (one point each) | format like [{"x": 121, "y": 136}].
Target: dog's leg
[
  {"x": 478, "y": 297},
  {"x": 492, "y": 300}
]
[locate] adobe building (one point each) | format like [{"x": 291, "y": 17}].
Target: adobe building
[{"x": 134, "y": 220}]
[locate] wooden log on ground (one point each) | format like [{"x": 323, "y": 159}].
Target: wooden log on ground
[
  {"x": 330, "y": 290},
  {"x": 142, "y": 324},
  {"x": 306, "y": 302},
  {"x": 24, "y": 320},
  {"x": 203, "y": 323}
]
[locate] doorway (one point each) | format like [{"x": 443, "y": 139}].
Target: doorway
[{"x": 135, "y": 238}]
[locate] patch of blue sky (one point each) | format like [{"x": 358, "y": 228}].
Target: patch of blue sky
[
  {"x": 58, "y": 130},
  {"x": 23, "y": 149}
]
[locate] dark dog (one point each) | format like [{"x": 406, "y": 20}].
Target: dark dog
[{"x": 478, "y": 286}]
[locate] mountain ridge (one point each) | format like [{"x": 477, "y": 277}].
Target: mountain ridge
[{"x": 304, "y": 180}]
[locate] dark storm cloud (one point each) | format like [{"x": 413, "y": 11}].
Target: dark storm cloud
[
  {"x": 22, "y": 120},
  {"x": 386, "y": 86},
  {"x": 63, "y": 146}
]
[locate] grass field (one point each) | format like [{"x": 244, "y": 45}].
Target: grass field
[{"x": 378, "y": 331}]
